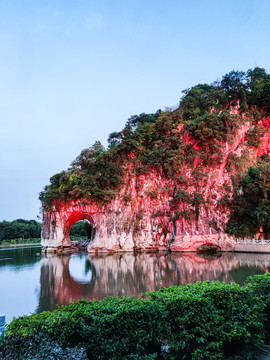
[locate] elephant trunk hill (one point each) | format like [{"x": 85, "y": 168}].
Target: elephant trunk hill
[{"x": 179, "y": 179}]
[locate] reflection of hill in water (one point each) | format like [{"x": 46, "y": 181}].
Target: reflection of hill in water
[{"x": 132, "y": 275}]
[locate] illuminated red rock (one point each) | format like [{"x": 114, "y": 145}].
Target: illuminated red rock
[{"x": 147, "y": 221}]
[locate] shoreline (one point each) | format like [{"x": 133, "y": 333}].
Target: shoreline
[{"x": 18, "y": 245}]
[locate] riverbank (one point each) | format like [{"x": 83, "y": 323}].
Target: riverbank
[
  {"x": 204, "y": 320},
  {"x": 18, "y": 245},
  {"x": 20, "y": 242}
]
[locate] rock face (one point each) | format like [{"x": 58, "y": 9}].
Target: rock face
[{"x": 150, "y": 215}]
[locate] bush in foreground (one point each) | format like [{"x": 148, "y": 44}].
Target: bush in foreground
[
  {"x": 205, "y": 320},
  {"x": 39, "y": 346}
]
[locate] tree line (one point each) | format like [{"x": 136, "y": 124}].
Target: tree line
[
  {"x": 31, "y": 229},
  {"x": 19, "y": 229}
]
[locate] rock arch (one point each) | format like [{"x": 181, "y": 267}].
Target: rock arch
[
  {"x": 75, "y": 217},
  {"x": 120, "y": 226},
  {"x": 58, "y": 222},
  {"x": 109, "y": 222}
]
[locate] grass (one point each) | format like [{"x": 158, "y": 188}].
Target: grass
[{"x": 14, "y": 242}]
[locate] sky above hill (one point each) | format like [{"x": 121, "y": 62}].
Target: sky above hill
[{"x": 73, "y": 71}]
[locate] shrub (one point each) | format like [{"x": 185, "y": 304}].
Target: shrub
[
  {"x": 39, "y": 347},
  {"x": 211, "y": 318},
  {"x": 198, "y": 321},
  {"x": 261, "y": 287}
]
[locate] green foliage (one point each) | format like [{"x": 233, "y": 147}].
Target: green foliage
[
  {"x": 81, "y": 229},
  {"x": 235, "y": 88},
  {"x": 198, "y": 100},
  {"x": 94, "y": 173},
  {"x": 111, "y": 328},
  {"x": 254, "y": 135},
  {"x": 198, "y": 321},
  {"x": 39, "y": 347},
  {"x": 211, "y": 128},
  {"x": 251, "y": 203},
  {"x": 208, "y": 319},
  {"x": 258, "y": 82},
  {"x": 261, "y": 287},
  {"x": 78, "y": 229},
  {"x": 19, "y": 229}
]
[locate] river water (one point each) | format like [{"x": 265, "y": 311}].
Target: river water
[{"x": 32, "y": 282}]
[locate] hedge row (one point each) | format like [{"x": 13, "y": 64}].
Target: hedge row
[{"x": 205, "y": 320}]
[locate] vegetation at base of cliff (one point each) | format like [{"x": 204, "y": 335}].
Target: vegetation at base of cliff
[
  {"x": 251, "y": 203},
  {"x": 19, "y": 230},
  {"x": 205, "y": 320},
  {"x": 194, "y": 135}
]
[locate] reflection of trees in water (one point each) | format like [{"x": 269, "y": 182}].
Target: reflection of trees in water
[
  {"x": 20, "y": 257},
  {"x": 132, "y": 275},
  {"x": 87, "y": 266}
]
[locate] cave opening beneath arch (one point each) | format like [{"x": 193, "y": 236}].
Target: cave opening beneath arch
[{"x": 81, "y": 230}]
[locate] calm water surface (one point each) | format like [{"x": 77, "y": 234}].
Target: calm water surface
[{"x": 31, "y": 282}]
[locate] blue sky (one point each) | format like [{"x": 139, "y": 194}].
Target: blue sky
[{"x": 73, "y": 71}]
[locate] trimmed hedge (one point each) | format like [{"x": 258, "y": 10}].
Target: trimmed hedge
[{"x": 205, "y": 320}]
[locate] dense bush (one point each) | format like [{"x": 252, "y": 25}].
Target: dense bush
[
  {"x": 94, "y": 173},
  {"x": 39, "y": 347},
  {"x": 210, "y": 319},
  {"x": 261, "y": 288},
  {"x": 198, "y": 321}
]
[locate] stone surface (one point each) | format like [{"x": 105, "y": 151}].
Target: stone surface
[{"x": 141, "y": 217}]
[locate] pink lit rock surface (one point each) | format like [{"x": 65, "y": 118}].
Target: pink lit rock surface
[{"x": 147, "y": 221}]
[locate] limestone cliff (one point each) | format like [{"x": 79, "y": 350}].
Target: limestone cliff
[{"x": 169, "y": 180}]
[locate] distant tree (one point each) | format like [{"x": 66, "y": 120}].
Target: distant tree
[
  {"x": 143, "y": 118},
  {"x": 233, "y": 81},
  {"x": 19, "y": 229},
  {"x": 81, "y": 229},
  {"x": 234, "y": 87},
  {"x": 258, "y": 82},
  {"x": 114, "y": 139}
]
